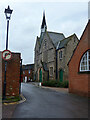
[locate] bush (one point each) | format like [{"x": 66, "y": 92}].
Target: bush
[
  {"x": 49, "y": 83},
  {"x": 65, "y": 84},
  {"x": 54, "y": 83}
]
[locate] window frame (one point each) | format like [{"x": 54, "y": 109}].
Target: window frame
[
  {"x": 85, "y": 62},
  {"x": 29, "y": 71},
  {"x": 60, "y": 55},
  {"x": 50, "y": 71},
  {"x": 45, "y": 43},
  {"x": 23, "y": 72}
]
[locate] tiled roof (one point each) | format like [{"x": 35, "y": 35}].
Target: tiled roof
[
  {"x": 56, "y": 37},
  {"x": 63, "y": 42},
  {"x": 28, "y": 67}
]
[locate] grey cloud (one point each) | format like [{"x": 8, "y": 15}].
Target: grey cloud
[{"x": 26, "y": 21}]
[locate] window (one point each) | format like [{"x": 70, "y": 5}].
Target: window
[
  {"x": 85, "y": 62},
  {"x": 51, "y": 71},
  {"x": 60, "y": 54},
  {"x": 23, "y": 78},
  {"x": 29, "y": 71},
  {"x": 28, "y": 78},
  {"x": 45, "y": 43},
  {"x": 23, "y": 72}
]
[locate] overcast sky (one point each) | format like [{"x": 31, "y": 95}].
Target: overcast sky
[{"x": 26, "y": 19}]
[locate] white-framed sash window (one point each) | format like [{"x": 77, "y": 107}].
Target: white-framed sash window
[{"x": 85, "y": 62}]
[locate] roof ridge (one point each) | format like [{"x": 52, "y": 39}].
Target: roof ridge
[
  {"x": 28, "y": 64},
  {"x": 55, "y": 32},
  {"x": 69, "y": 37}
]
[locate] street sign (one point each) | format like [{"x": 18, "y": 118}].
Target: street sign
[{"x": 6, "y": 55}]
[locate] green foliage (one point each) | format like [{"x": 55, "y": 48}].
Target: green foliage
[
  {"x": 54, "y": 83},
  {"x": 13, "y": 99},
  {"x": 65, "y": 84}
]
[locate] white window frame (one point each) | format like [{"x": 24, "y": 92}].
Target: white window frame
[
  {"x": 86, "y": 60},
  {"x": 28, "y": 78},
  {"x": 29, "y": 71},
  {"x": 23, "y": 72}
]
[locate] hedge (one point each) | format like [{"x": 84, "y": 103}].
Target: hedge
[{"x": 54, "y": 83}]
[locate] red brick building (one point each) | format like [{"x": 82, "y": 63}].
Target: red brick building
[
  {"x": 79, "y": 66},
  {"x": 12, "y": 75},
  {"x": 27, "y": 72}
]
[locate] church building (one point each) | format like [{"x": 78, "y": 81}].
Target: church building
[{"x": 47, "y": 48}]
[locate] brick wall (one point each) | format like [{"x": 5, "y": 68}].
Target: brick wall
[
  {"x": 78, "y": 82},
  {"x": 0, "y": 74},
  {"x": 28, "y": 75},
  {"x": 12, "y": 75}
]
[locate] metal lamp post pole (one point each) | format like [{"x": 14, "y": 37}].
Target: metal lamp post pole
[
  {"x": 8, "y": 11},
  {"x": 7, "y": 34},
  {"x": 4, "y": 88}
]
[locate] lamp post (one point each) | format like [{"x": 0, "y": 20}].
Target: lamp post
[{"x": 8, "y": 13}]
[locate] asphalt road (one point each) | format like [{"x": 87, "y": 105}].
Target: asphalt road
[{"x": 46, "y": 103}]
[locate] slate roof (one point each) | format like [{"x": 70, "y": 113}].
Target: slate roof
[
  {"x": 63, "y": 42},
  {"x": 28, "y": 67},
  {"x": 55, "y": 37}
]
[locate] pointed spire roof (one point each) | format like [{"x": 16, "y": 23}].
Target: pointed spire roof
[{"x": 43, "y": 21}]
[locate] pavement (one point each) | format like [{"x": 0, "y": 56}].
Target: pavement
[
  {"x": 9, "y": 107},
  {"x": 50, "y": 103},
  {"x": 7, "y": 110},
  {"x": 63, "y": 90},
  {"x": 0, "y": 110}
]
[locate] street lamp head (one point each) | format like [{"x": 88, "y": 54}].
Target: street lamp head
[{"x": 8, "y": 13}]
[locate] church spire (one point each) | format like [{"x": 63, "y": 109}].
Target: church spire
[{"x": 43, "y": 26}]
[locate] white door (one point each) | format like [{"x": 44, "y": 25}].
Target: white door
[{"x": 25, "y": 79}]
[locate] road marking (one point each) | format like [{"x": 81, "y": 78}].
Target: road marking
[{"x": 18, "y": 102}]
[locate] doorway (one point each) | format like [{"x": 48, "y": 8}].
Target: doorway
[
  {"x": 40, "y": 75},
  {"x": 61, "y": 75},
  {"x": 25, "y": 79}
]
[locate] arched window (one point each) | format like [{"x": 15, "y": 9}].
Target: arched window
[{"x": 85, "y": 62}]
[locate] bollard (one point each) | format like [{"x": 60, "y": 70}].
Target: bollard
[{"x": 40, "y": 84}]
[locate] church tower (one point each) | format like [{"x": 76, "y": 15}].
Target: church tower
[{"x": 43, "y": 26}]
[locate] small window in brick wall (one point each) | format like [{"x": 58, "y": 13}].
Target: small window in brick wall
[
  {"x": 51, "y": 71},
  {"x": 85, "y": 62},
  {"x": 23, "y": 72},
  {"x": 29, "y": 71},
  {"x": 60, "y": 55}
]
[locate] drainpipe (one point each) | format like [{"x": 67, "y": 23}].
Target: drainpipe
[
  {"x": 20, "y": 76},
  {"x": 56, "y": 65}
]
